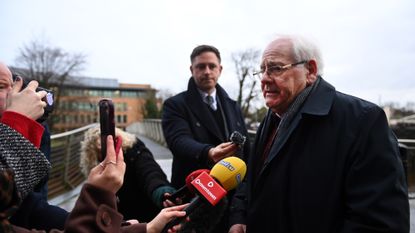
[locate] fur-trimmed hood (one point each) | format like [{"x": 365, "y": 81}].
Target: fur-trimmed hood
[{"x": 90, "y": 147}]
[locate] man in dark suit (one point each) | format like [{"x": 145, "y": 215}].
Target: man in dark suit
[
  {"x": 197, "y": 123},
  {"x": 322, "y": 161}
]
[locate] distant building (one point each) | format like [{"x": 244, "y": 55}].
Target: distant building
[{"x": 78, "y": 105}]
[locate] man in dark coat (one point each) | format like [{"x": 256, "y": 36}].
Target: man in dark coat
[
  {"x": 197, "y": 123},
  {"x": 323, "y": 161}
]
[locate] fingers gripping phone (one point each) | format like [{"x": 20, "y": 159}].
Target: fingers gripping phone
[{"x": 107, "y": 124}]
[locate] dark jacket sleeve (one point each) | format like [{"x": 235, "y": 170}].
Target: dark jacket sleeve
[
  {"x": 179, "y": 134},
  {"x": 238, "y": 206},
  {"x": 148, "y": 171},
  {"x": 96, "y": 211},
  {"x": 36, "y": 213},
  {"x": 375, "y": 188}
]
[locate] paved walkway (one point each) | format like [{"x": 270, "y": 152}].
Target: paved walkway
[{"x": 161, "y": 154}]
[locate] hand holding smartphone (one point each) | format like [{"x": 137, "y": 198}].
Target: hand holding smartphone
[{"x": 107, "y": 124}]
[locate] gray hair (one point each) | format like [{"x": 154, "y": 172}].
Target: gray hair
[{"x": 304, "y": 49}]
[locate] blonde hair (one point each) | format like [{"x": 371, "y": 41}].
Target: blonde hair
[{"x": 90, "y": 149}]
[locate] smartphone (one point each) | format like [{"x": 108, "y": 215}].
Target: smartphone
[{"x": 107, "y": 124}]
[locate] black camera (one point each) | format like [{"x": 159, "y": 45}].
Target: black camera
[{"x": 48, "y": 98}]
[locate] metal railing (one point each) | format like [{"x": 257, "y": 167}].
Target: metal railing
[
  {"x": 150, "y": 128},
  {"x": 65, "y": 173},
  {"x": 407, "y": 147}
]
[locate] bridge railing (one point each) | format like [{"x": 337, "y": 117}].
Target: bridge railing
[
  {"x": 65, "y": 173},
  {"x": 150, "y": 128}
]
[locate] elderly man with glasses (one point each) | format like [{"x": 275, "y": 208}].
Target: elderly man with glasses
[{"x": 322, "y": 161}]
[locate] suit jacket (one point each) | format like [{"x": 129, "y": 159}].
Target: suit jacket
[
  {"x": 336, "y": 170},
  {"x": 190, "y": 129}
]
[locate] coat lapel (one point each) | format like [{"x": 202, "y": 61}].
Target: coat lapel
[
  {"x": 229, "y": 111},
  {"x": 318, "y": 103},
  {"x": 201, "y": 111},
  {"x": 260, "y": 142}
]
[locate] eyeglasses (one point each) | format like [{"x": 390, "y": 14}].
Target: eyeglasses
[{"x": 276, "y": 70}]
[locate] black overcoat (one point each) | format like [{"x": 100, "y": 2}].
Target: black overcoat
[
  {"x": 190, "y": 129},
  {"x": 336, "y": 170}
]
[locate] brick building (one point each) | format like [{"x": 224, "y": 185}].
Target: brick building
[{"x": 78, "y": 105}]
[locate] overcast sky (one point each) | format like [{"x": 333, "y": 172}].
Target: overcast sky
[{"x": 368, "y": 46}]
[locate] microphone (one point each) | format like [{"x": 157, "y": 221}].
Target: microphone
[
  {"x": 237, "y": 138},
  {"x": 212, "y": 188},
  {"x": 187, "y": 191},
  {"x": 229, "y": 172}
]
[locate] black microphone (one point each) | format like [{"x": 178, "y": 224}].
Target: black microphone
[
  {"x": 205, "y": 218},
  {"x": 237, "y": 138}
]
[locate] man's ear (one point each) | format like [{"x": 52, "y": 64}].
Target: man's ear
[
  {"x": 191, "y": 69},
  {"x": 311, "y": 66}
]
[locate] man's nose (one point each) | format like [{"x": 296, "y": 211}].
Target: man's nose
[
  {"x": 266, "y": 78},
  {"x": 207, "y": 70}
]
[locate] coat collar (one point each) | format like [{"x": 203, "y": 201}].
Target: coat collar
[
  {"x": 321, "y": 100},
  {"x": 318, "y": 103},
  {"x": 200, "y": 109}
]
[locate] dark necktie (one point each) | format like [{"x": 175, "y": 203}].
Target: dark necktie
[
  {"x": 270, "y": 138},
  {"x": 209, "y": 100}
]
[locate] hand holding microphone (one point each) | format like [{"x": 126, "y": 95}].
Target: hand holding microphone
[
  {"x": 226, "y": 149},
  {"x": 187, "y": 191}
]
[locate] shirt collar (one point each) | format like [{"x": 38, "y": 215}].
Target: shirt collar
[{"x": 204, "y": 94}]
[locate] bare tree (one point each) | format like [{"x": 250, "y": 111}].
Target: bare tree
[
  {"x": 246, "y": 63},
  {"x": 51, "y": 66}
]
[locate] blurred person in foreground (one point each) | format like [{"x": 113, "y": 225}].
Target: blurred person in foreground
[
  {"x": 145, "y": 184},
  {"x": 24, "y": 107},
  {"x": 22, "y": 167},
  {"x": 323, "y": 161},
  {"x": 95, "y": 209},
  {"x": 198, "y": 122}
]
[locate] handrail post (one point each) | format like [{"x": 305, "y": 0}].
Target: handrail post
[{"x": 68, "y": 152}]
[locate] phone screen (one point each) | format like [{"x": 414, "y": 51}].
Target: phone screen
[{"x": 107, "y": 124}]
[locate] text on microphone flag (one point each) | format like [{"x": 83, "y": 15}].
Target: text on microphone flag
[{"x": 209, "y": 188}]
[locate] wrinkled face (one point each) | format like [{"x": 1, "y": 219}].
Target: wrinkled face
[
  {"x": 206, "y": 70},
  {"x": 281, "y": 88},
  {"x": 5, "y": 86}
]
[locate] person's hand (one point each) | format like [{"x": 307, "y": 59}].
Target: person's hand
[
  {"x": 238, "y": 228},
  {"x": 165, "y": 216},
  {"x": 222, "y": 151},
  {"x": 109, "y": 174},
  {"x": 168, "y": 203},
  {"x": 27, "y": 102}
]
